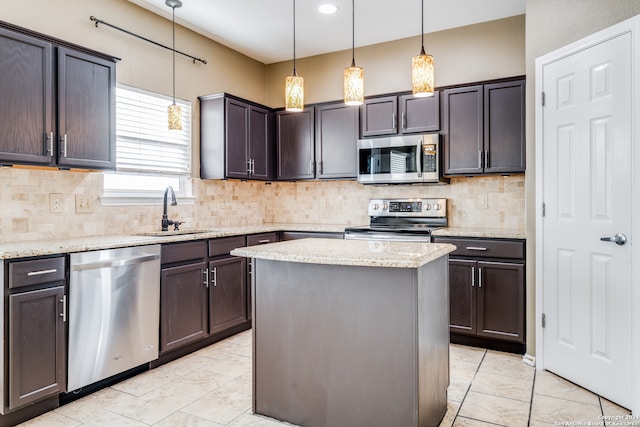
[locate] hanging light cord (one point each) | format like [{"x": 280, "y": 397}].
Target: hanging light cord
[
  {"x": 174, "y": 53},
  {"x": 295, "y": 73},
  {"x": 353, "y": 33},
  {"x": 422, "y": 52}
]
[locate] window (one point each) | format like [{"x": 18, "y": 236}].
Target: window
[{"x": 149, "y": 157}]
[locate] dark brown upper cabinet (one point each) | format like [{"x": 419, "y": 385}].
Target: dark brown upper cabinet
[
  {"x": 86, "y": 111},
  {"x": 391, "y": 115},
  {"x": 337, "y": 129},
  {"x": 483, "y": 129},
  {"x": 26, "y": 113},
  {"x": 295, "y": 144},
  {"x": 64, "y": 118},
  {"x": 235, "y": 139},
  {"x": 504, "y": 127}
]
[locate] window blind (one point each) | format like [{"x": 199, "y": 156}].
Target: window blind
[{"x": 143, "y": 141}]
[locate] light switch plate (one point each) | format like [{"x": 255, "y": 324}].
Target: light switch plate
[
  {"x": 84, "y": 203},
  {"x": 55, "y": 203}
]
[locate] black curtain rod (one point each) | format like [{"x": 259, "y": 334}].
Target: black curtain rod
[{"x": 100, "y": 21}]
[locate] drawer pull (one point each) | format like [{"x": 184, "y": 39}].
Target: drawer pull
[
  {"x": 475, "y": 248},
  {"x": 41, "y": 272},
  {"x": 264, "y": 241}
]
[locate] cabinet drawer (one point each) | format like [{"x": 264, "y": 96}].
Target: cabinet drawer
[
  {"x": 261, "y": 239},
  {"x": 225, "y": 245},
  {"x": 36, "y": 271},
  {"x": 180, "y": 252},
  {"x": 484, "y": 247}
]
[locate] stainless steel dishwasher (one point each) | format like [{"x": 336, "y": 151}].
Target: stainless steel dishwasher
[{"x": 114, "y": 312}]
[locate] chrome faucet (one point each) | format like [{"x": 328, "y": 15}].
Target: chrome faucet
[{"x": 166, "y": 222}]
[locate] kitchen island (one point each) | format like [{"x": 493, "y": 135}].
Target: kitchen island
[{"x": 350, "y": 333}]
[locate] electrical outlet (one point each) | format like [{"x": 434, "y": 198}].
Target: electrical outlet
[
  {"x": 484, "y": 202},
  {"x": 84, "y": 204},
  {"x": 55, "y": 203}
]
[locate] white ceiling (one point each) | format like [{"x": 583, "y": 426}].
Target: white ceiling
[{"x": 263, "y": 29}]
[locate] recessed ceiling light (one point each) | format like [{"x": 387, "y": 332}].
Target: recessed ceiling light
[{"x": 327, "y": 8}]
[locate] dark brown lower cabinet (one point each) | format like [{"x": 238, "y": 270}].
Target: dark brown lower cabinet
[
  {"x": 253, "y": 240},
  {"x": 462, "y": 297},
  {"x": 183, "y": 305},
  {"x": 500, "y": 300},
  {"x": 37, "y": 365},
  {"x": 227, "y": 293},
  {"x": 487, "y": 292},
  {"x": 203, "y": 294}
]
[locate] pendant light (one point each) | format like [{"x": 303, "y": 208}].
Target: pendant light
[
  {"x": 422, "y": 70},
  {"x": 353, "y": 75},
  {"x": 175, "y": 111},
  {"x": 294, "y": 84}
]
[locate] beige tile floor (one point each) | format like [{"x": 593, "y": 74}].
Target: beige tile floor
[{"x": 212, "y": 388}]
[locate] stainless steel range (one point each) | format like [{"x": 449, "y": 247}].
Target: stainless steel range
[{"x": 401, "y": 220}]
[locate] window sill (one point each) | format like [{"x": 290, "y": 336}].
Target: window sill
[{"x": 141, "y": 200}]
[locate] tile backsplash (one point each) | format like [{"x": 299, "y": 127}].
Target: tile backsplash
[{"x": 497, "y": 202}]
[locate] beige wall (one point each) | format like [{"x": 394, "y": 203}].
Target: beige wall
[
  {"x": 462, "y": 55},
  {"x": 551, "y": 24}
]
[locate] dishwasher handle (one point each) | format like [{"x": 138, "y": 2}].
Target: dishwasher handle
[{"x": 108, "y": 263}]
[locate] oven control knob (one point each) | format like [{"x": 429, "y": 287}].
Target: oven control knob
[
  {"x": 385, "y": 206},
  {"x": 376, "y": 206},
  {"x": 436, "y": 206},
  {"x": 427, "y": 207}
]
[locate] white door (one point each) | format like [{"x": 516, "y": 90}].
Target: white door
[{"x": 586, "y": 184}]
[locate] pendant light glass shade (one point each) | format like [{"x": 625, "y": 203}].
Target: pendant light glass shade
[
  {"x": 422, "y": 69},
  {"x": 422, "y": 75},
  {"x": 175, "y": 117},
  {"x": 174, "y": 111},
  {"x": 353, "y": 75},
  {"x": 294, "y": 93},
  {"x": 294, "y": 84},
  {"x": 354, "y": 85}
]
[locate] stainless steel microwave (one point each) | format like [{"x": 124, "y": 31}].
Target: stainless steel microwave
[{"x": 400, "y": 159}]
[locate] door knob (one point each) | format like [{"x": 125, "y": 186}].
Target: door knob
[{"x": 619, "y": 239}]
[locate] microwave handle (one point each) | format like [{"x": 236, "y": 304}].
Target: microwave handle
[{"x": 419, "y": 160}]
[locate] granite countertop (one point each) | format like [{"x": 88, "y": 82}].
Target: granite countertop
[
  {"x": 9, "y": 250},
  {"x": 52, "y": 246},
  {"x": 493, "y": 233},
  {"x": 349, "y": 252}
]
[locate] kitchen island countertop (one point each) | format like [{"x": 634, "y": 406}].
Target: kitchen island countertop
[{"x": 349, "y": 252}]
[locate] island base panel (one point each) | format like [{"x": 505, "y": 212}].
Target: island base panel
[{"x": 358, "y": 346}]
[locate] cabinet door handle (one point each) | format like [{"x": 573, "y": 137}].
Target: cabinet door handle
[
  {"x": 473, "y": 277},
  {"x": 475, "y": 248},
  {"x": 321, "y": 166},
  {"x": 480, "y": 277},
  {"x": 393, "y": 121},
  {"x": 41, "y": 272},
  {"x": 264, "y": 241},
  {"x": 252, "y": 166},
  {"x": 486, "y": 159},
  {"x": 50, "y": 139},
  {"x": 480, "y": 158},
  {"x": 215, "y": 277},
  {"x": 404, "y": 120},
  {"x": 249, "y": 167},
  {"x": 206, "y": 277},
  {"x": 64, "y": 145},
  {"x": 63, "y": 301}
]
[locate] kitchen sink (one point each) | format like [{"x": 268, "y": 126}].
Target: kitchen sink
[{"x": 176, "y": 232}]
